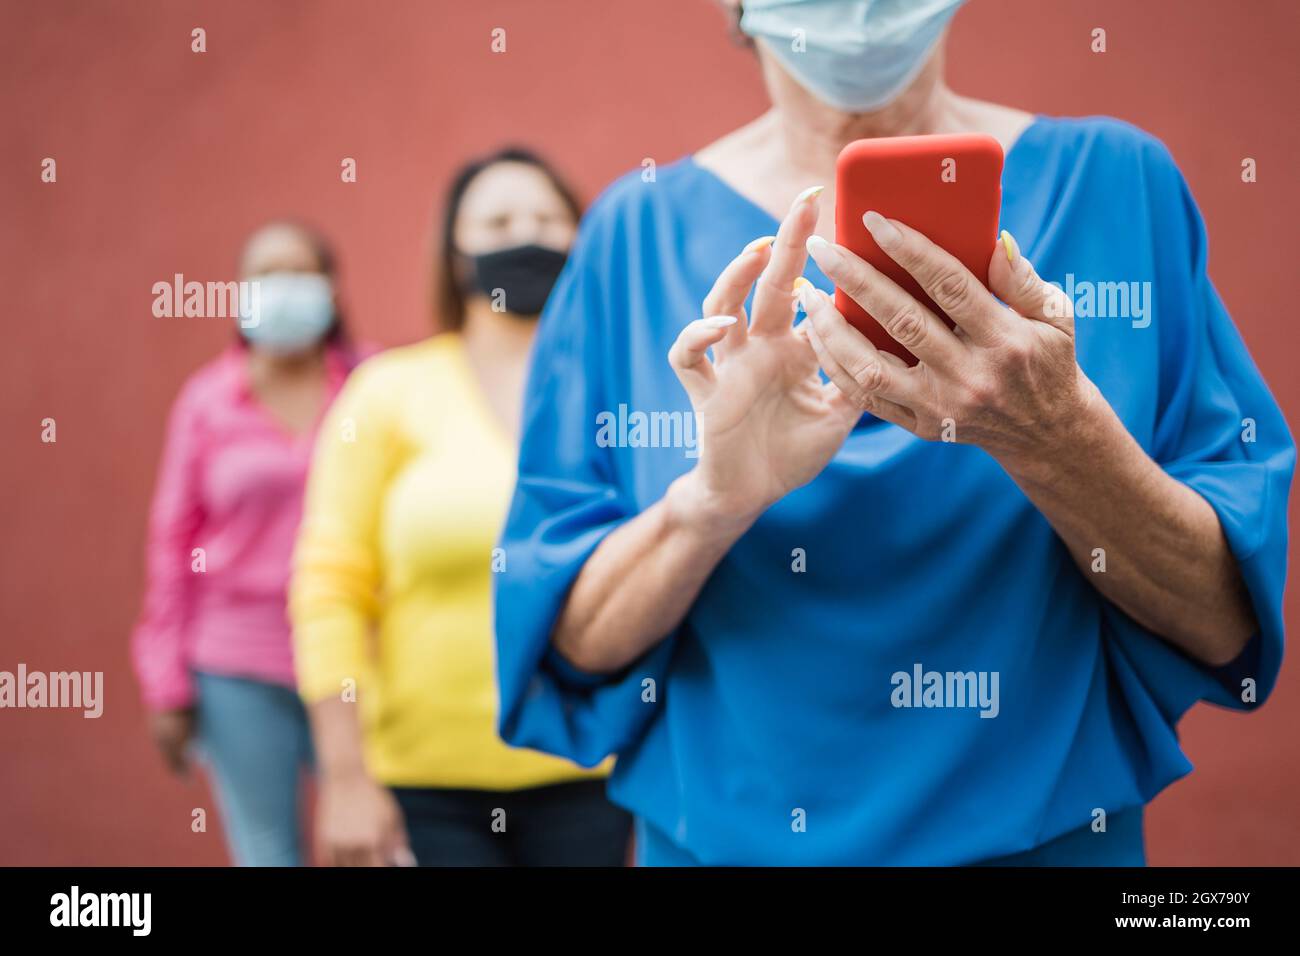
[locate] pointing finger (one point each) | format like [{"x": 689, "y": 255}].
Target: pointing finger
[{"x": 772, "y": 297}]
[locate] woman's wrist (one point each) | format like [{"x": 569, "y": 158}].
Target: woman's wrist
[
  {"x": 345, "y": 775},
  {"x": 1083, "y": 431},
  {"x": 695, "y": 510},
  {"x": 336, "y": 731}
]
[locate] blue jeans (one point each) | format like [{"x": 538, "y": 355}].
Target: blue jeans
[{"x": 256, "y": 742}]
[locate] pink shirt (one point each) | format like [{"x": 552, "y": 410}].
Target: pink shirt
[{"x": 231, "y": 484}]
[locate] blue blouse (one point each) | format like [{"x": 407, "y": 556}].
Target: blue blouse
[{"x": 899, "y": 663}]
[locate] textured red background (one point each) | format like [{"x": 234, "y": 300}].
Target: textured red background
[{"x": 166, "y": 160}]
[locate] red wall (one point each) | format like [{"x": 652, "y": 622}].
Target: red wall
[{"x": 167, "y": 158}]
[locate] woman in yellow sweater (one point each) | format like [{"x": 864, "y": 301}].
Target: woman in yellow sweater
[{"x": 391, "y": 593}]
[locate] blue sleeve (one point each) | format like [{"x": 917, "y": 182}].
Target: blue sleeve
[
  {"x": 1219, "y": 431},
  {"x": 566, "y": 501}
]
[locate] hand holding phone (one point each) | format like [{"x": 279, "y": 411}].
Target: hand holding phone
[{"x": 947, "y": 187}]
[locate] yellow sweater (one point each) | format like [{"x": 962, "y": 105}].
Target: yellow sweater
[{"x": 392, "y": 579}]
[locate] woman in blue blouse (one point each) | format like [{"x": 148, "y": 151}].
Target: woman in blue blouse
[{"x": 818, "y": 636}]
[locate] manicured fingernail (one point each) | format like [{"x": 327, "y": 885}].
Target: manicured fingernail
[
  {"x": 881, "y": 229},
  {"x": 808, "y": 193},
  {"x": 803, "y": 292},
  {"x": 762, "y": 242},
  {"x": 1011, "y": 246},
  {"x": 720, "y": 321},
  {"x": 824, "y": 253}
]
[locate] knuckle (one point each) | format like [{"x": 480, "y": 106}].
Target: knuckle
[
  {"x": 787, "y": 241},
  {"x": 979, "y": 393},
  {"x": 869, "y": 373},
  {"x": 855, "y": 284},
  {"x": 847, "y": 272},
  {"x": 1029, "y": 283},
  {"x": 906, "y": 325},
  {"x": 952, "y": 290},
  {"x": 1019, "y": 351},
  {"x": 1064, "y": 304},
  {"x": 772, "y": 286},
  {"x": 908, "y": 255}
]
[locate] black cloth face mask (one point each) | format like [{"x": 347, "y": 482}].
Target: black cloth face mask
[{"x": 524, "y": 275}]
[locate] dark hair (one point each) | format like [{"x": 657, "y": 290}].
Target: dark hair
[
  {"x": 326, "y": 262},
  {"x": 448, "y": 297}
]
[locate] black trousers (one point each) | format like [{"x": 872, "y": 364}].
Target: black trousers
[{"x": 565, "y": 824}]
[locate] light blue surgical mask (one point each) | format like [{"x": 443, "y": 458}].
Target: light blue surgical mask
[
  {"x": 286, "y": 312},
  {"x": 856, "y": 55}
]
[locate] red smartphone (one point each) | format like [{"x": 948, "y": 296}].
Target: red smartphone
[{"x": 948, "y": 187}]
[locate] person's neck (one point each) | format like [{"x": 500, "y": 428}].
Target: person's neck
[
  {"x": 495, "y": 335},
  {"x": 264, "y": 365},
  {"x": 812, "y": 135}
]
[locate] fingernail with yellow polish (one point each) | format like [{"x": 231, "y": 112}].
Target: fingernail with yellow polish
[
  {"x": 809, "y": 193},
  {"x": 1012, "y": 247},
  {"x": 762, "y": 242},
  {"x": 801, "y": 289}
]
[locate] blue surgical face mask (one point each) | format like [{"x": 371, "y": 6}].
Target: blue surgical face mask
[
  {"x": 856, "y": 55},
  {"x": 286, "y": 312}
]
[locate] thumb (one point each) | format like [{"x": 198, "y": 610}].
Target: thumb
[
  {"x": 402, "y": 856},
  {"x": 398, "y": 851},
  {"x": 1013, "y": 279}
]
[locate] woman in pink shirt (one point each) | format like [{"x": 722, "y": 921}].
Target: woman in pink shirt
[{"x": 212, "y": 647}]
